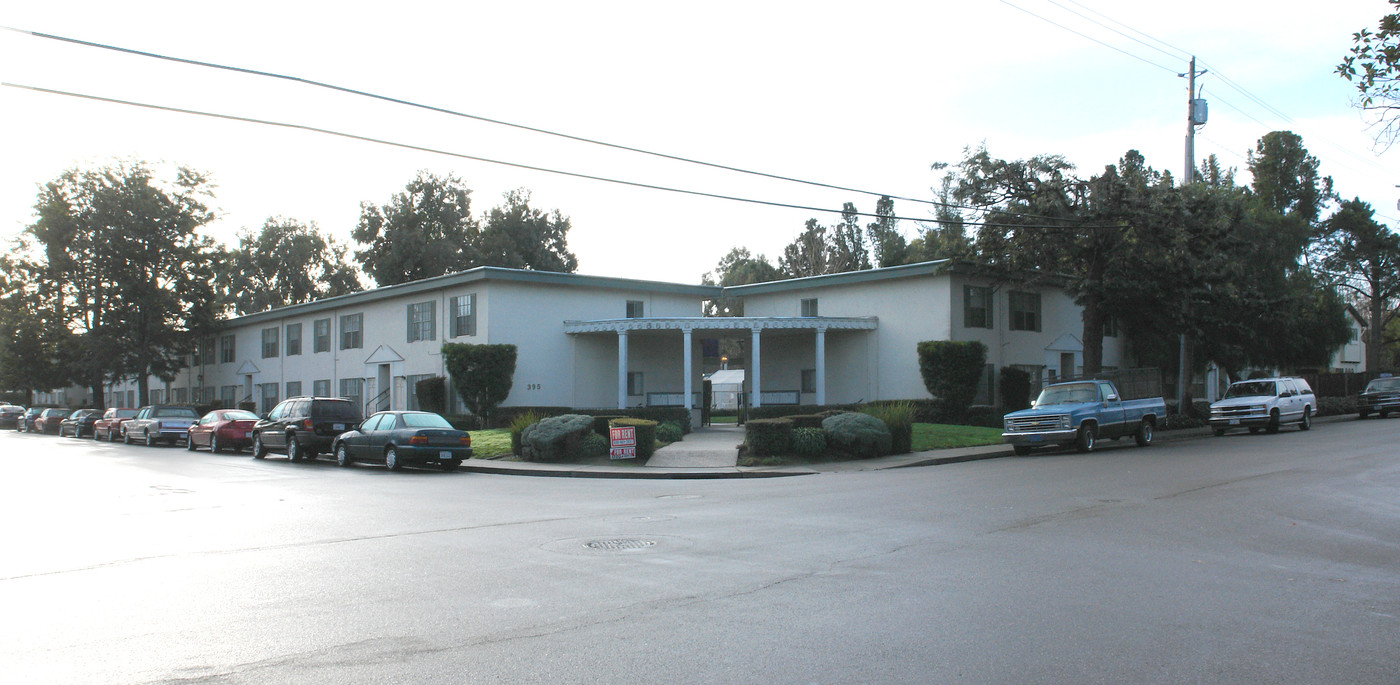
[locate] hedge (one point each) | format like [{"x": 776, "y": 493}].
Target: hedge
[
  {"x": 768, "y": 437},
  {"x": 646, "y": 434},
  {"x": 951, "y": 370},
  {"x": 432, "y": 394},
  {"x": 481, "y": 374}
]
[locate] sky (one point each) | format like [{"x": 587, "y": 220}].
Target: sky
[{"x": 860, "y": 95}]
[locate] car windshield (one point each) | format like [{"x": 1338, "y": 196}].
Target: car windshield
[
  {"x": 176, "y": 412},
  {"x": 1383, "y": 385},
  {"x": 240, "y": 416},
  {"x": 425, "y": 421},
  {"x": 342, "y": 411},
  {"x": 1251, "y": 389},
  {"x": 1077, "y": 393}
]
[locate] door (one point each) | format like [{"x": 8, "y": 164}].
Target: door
[
  {"x": 379, "y": 436},
  {"x": 1066, "y": 365},
  {"x": 385, "y": 389}
]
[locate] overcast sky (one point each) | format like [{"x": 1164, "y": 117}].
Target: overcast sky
[{"x": 863, "y": 95}]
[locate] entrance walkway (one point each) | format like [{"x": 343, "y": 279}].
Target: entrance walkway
[{"x": 708, "y": 447}]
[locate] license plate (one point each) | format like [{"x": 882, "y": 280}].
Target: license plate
[
  {"x": 1234, "y": 422},
  {"x": 1035, "y": 438},
  {"x": 444, "y": 454},
  {"x": 339, "y": 426}
]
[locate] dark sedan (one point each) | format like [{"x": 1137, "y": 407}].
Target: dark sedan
[
  {"x": 223, "y": 428},
  {"x": 49, "y": 419},
  {"x": 401, "y": 438},
  {"x": 9, "y": 415},
  {"x": 79, "y": 423},
  {"x": 27, "y": 419}
]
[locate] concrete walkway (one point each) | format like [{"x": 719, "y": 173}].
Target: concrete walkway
[{"x": 707, "y": 447}]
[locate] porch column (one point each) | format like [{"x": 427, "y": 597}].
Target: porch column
[
  {"x": 756, "y": 402},
  {"x": 622, "y": 369},
  {"x": 821, "y": 365},
  {"x": 689, "y": 385}
]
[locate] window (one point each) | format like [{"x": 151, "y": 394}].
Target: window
[
  {"x": 206, "y": 351},
  {"x": 269, "y": 342},
  {"x": 1110, "y": 327},
  {"x": 321, "y": 388},
  {"x": 413, "y": 390},
  {"x": 809, "y": 380},
  {"x": 353, "y": 389},
  {"x": 634, "y": 383},
  {"x": 809, "y": 307},
  {"x": 269, "y": 395},
  {"x": 131, "y": 398},
  {"x": 228, "y": 395},
  {"x": 321, "y": 330},
  {"x": 635, "y": 309},
  {"x": 977, "y": 307},
  {"x": 986, "y": 387},
  {"x": 178, "y": 396},
  {"x": 293, "y": 339},
  {"x": 1025, "y": 311},
  {"x": 226, "y": 349},
  {"x": 463, "y": 312},
  {"x": 422, "y": 321},
  {"x": 155, "y": 396},
  {"x": 293, "y": 388},
  {"x": 352, "y": 334}
]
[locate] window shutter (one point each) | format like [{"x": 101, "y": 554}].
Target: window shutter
[{"x": 471, "y": 318}]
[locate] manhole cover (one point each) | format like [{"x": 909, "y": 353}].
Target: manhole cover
[{"x": 618, "y": 545}]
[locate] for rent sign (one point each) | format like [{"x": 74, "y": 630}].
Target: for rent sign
[{"x": 623, "y": 440}]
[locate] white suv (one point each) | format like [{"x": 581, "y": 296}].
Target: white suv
[{"x": 1264, "y": 403}]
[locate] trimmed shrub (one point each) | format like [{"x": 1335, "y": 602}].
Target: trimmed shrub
[
  {"x": 860, "y": 435},
  {"x": 806, "y": 420},
  {"x": 668, "y": 432},
  {"x": 555, "y": 439},
  {"x": 481, "y": 374},
  {"x": 1015, "y": 387},
  {"x": 808, "y": 442},
  {"x": 775, "y": 411},
  {"x": 601, "y": 422},
  {"x": 518, "y": 426},
  {"x": 768, "y": 437},
  {"x": 951, "y": 370},
  {"x": 1336, "y": 406},
  {"x": 249, "y": 406},
  {"x": 899, "y": 418},
  {"x": 594, "y": 446},
  {"x": 432, "y": 394},
  {"x": 646, "y": 435}
]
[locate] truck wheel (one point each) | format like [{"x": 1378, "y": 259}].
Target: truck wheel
[
  {"x": 1143, "y": 436},
  {"x": 1273, "y": 422},
  {"x": 1306, "y": 423},
  {"x": 1085, "y": 441}
]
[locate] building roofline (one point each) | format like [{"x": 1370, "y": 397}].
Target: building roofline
[{"x": 480, "y": 273}]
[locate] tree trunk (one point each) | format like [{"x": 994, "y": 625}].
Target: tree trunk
[
  {"x": 99, "y": 399},
  {"x": 1093, "y": 333},
  {"x": 1375, "y": 330},
  {"x": 1186, "y": 407},
  {"x": 143, "y": 387}
]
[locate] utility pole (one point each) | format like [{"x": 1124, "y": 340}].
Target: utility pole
[{"x": 1195, "y": 116}]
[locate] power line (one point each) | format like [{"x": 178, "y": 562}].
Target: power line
[
  {"x": 1184, "y": 53},
  {"x": 516, "y": 165},
  {"x": 475, "y": 117},
  {"x": 1088, "y": 37},
  {"x": 1110, "y": 28}
]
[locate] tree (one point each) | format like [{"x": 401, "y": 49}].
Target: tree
[
  {"x": 1363, "y": 257},
  {"x": 285, "y": 263},
  {"x": 1374, "y": 68},
  {"x": 481, "y": 374},
  {"x": 951, "y": 371},
  {"x": 1286, "y": 180},
  {"x": 29, "y": 345},
  {"x": 517, "y": 236},
  {"x": 127, "y": 272},
  {"x": 846, "y": 249},
  {"x": 886, "y": 242},
  {"x": 738, "y": 267},
  {"x": 425, "y": 231},
  {"x": 806, "y": 256}
]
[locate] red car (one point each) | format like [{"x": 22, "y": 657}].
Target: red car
[
  {"x": 232, "y": 428},
  {"x": 109, "y": 427},
  {"x": 50, "y": 418}
]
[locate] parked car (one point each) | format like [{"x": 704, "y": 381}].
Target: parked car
[
  {"x": 1265, "y": 403},
  {"x": 304, "y": 426},
  {"x": 404, "y": 438},
  {"x": 1078, "y": 413},
  {"x": 27, "y": 419},
  {"x": 9, "y": 415},
  {"x": 223, "y": 428},
  {"x": 48, "y": 420},
  {"x": 109, "y": 426},
  {"x": 159, "y": 423},
  {"x": 1381, "y": 396},
  {"x": 79, "y": 423}
]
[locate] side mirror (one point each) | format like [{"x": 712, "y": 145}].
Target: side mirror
[{"x": 1111, "y": 398}]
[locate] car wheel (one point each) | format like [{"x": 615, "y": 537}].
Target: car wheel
[
  {"x": 1219, "y": 432},
  {"x": 150, "y": 441},
  {"x": 293, "y": 449},
  {"x": 1273, "y": 422},
  {"x": 189, "y": 443},
  {"x": 259, "y": 450},
  {"x": 1306, "y": 423},
  {"x": 342, "y": 455},
  {"x": 214, "y": 443},
  {"x": 450, "y": 465},
  {"x": 1143, "y": 436},
  {"x": 391, "y": 459},
  {"x": 1085, "y": 441}
]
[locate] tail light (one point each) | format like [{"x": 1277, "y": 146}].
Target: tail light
[
  {"x": 418, "y": 440},
  {"x": 466, "y": 440},
  {"x": 307, "y": 424}
]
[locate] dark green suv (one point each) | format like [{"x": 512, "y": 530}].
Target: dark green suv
[{"x": 304, "y": 427}]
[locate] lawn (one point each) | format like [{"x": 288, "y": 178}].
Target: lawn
[
  {"x": 937, "y": 436},
  {"x": 491, "y": 444}
]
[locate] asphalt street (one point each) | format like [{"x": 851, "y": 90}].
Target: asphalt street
[{"x": 1248, "y": 558}]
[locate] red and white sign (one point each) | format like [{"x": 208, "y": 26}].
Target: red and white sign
[{"x": 623, "y": 440}]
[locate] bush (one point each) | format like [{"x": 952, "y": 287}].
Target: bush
[
  {"x": 808, "y": 442},
  {"x": 601, "y": 422},
  {"x": 555, "y": 439},
  {"x": 646, "y": 435},
  {"x": 668, "y": 432},
  {"x": 1015, "y": 387},
  {"x": 768, "y": 437},
  {"x": 1337, "y": 406},
  {"x": 518, "y": 426},
  {"x": 951, "y": 370},
  {"x": 481, "y": 374},
  {"x": 860, "y": 435},
  {"x": 899, "y": 418},
  {"x": 777, "y": 411},
  {"x": 593, "y": 446},
  {"x": 432, "y": 394},
  {"x": 806, "y": 420}
]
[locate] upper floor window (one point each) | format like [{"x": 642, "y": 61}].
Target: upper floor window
[
  {"x": 1110, "y": 327},
  {"x": 809, "y": 307},
  {"x": 422, "y": 321},
  {"x": 977, "y": 306},
  {"x": 463, "y": 312},
  {"x": 269, "y": 342},
  {"x": 293, "y": 339},
  {"x": 352, "y": 335},
  {"x": 321, "y": 335},
  {"x": 206, "y": 351},
  {"x": 226, "y": 352},
  {"x": 635, "y": 309},
  {"x": 1025, "y": 311}
]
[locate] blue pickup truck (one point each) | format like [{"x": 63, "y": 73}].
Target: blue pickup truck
[{"x": 1079, "y": 413}]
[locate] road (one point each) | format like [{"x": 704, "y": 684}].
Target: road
[{"x": 1249, "y": 558}]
